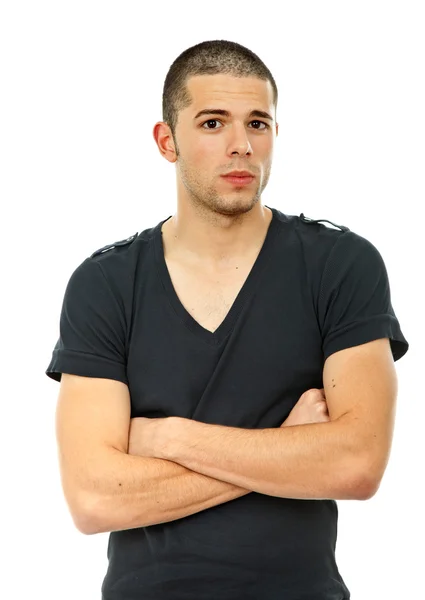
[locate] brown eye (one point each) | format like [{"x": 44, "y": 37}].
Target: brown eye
[
  {"x": 266, "y": 126},
  {"x": 262, "y": 122},
  {"x": 210, "y": 121}
]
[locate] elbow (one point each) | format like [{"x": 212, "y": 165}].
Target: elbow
[
  {"x": 97, "y": 515},
  {"x": 367, "y": 490},
  {"x": 85, "y": 516},
  {"x": 371, "y": 476},
  {"x": 361, "y": 486},
  {"x": 356, "y": 489},
  {"x": 370, "y": 487},
  {"x": 86, "y": 525}
]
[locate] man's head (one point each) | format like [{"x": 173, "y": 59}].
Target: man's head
[{"x": 225, "y": 76}]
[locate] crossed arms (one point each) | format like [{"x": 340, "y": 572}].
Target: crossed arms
[{"x": 189, "y": 466}]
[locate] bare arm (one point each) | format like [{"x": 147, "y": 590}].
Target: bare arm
[
  {"x": 313, "y": 461},
  {"x": 344, "y": 458},
  {"x": 175, "y": 491},
  {"x": 107, "y": 489},
  {"x": 134, "y": 491}
]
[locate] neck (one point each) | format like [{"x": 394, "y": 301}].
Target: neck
[{"x": 218, "y": 243}]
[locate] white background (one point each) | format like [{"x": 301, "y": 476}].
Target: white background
[{"x": 81, "y": 87}]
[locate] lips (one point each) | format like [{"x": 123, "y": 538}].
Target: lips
[
  {"x": 238, "y": 180},
  {"x": 239, "y": 174}
]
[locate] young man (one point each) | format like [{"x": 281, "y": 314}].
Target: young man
[{"x": 184, "y": 351}]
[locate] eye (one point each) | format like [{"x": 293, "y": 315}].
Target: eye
[
  {"x": 210, "y": 121},
  {"x": 266, "y": 126}
]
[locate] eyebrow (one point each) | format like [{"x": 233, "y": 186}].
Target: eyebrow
[{"x": 225, "y": 113}]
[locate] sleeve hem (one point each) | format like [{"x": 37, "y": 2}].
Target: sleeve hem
[
  {"x": 85, "y": 365},
  {"x": 357, "y": 333}
]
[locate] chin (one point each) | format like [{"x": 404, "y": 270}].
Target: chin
[{"x": 236, "y": 207}]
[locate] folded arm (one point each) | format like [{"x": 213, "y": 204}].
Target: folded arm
[
  {"x": 344, "y": 458},
  {"x": 139, "y": 491},
  {"x": 108, "y": 489},
  {"x": 105, "y": 487}
]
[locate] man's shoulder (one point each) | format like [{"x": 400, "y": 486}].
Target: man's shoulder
[
  {"x": 309, "y": 221},
  {"x": 125, "y": 242},
  {"x": 307, "y": 225}
]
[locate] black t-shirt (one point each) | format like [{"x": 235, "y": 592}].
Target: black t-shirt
[{"x": 312, "y": 291}]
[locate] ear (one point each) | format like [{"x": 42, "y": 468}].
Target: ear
[{"x": 164, "y": 140}]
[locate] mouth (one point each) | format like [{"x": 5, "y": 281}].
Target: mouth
[{"x": 235, "y": 180}]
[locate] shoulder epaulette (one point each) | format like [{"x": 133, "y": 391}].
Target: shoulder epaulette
[
  {"x": 308, "y": 220},
  {"x": 115, "y": 244}
]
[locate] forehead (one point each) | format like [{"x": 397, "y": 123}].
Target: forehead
[{"x": 205, "y": 89}]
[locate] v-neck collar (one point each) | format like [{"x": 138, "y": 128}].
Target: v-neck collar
[{"x": 215, "y": 337}]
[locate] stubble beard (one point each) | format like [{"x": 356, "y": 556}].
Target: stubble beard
[{"x": 207, "y": 199}]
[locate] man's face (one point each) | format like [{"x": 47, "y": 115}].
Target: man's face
[{"x": 211, "y": 145}]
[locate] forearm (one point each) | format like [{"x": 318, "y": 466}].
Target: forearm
[
  {"x": 312, "y": 461},
  {"x": 134, "y": 491}
]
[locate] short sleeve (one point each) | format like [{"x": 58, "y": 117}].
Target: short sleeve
[
  {"x": 354, "y": 304},
  {"x": 92, "y": 328}
]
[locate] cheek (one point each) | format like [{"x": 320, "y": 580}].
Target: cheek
[
  {"x": 199, "y": 150},
  {"x": 207, "y": 148},
  {"x": 205, "y": 159}
]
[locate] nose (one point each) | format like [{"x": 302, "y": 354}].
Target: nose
[{"x": 239, "y": 141}]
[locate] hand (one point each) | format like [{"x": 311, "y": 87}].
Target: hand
[
  {"x": 148, "y": 437},
  {"x": 310, "y": 408}
]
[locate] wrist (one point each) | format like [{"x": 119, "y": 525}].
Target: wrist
[{"x": 170, "y": 437}]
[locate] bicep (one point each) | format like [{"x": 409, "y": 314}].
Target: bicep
[
  {"x": 360, "y": 386},
  {"x": 92, "y": 416}
]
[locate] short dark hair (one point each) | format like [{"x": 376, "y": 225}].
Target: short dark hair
[{"x": 208, "y": 58}]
